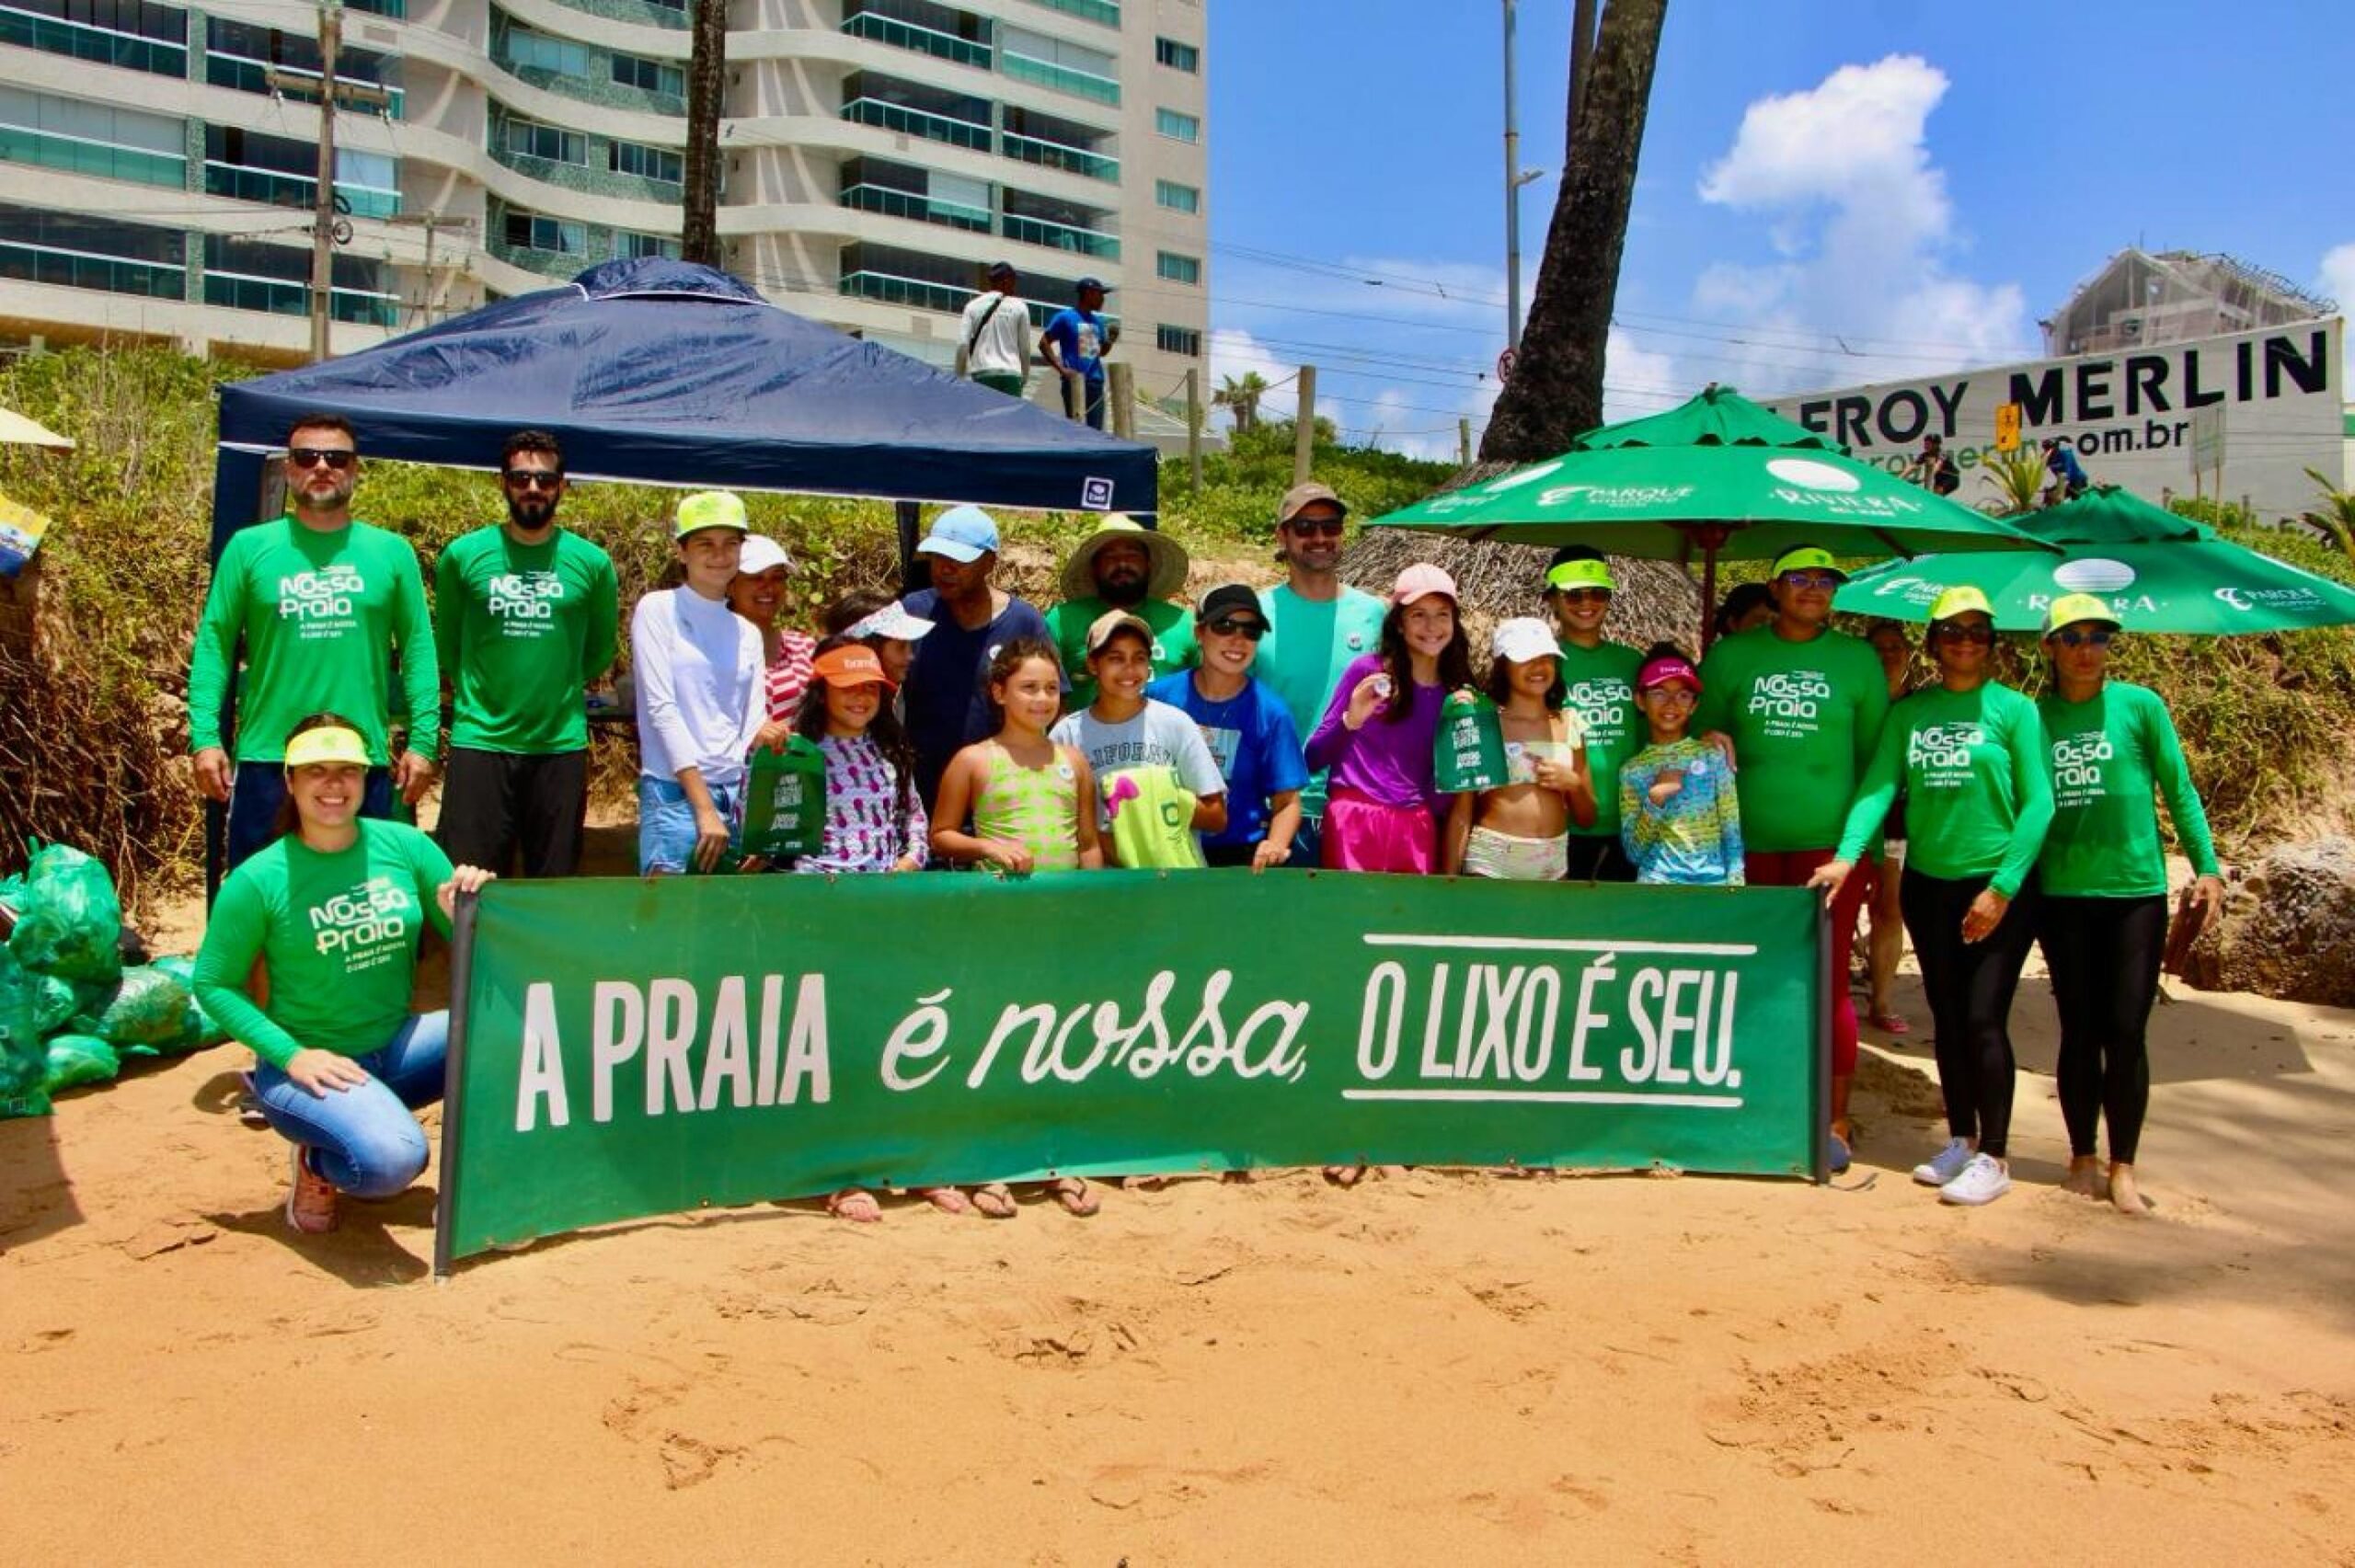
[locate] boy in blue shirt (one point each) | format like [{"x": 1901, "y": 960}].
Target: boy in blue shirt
[{"x": 1248, "y": 730}]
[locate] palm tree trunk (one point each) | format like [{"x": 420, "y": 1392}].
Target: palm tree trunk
[
  {"x": 1557, "y": 385},
  {"x": 707, "y": 84}
]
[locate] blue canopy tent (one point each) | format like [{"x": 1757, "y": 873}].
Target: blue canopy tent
[{"x": 665, "y": 372}]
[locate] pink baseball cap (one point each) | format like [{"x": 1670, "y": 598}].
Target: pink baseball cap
[
  {"x": 1667, "y": 667},
  {"x": 1420, "y": 581}
]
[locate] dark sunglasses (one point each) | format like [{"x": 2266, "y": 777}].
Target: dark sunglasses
[
  {"x": 1827, "y": 581},
  {"x": 1965, "y": 633},
  {"x": 533, "y": 478},
  {"x": 1584, "y": 595},
  {"x": 1330, "y": 527},
  {"x": 2099, "y": 637},
  {"x": 1227, "y": 627},
  {"x": 336, "y": 457}
]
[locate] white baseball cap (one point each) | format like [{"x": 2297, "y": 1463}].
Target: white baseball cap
[
  {"x": 1524, "y": 637},
  {"x": 761, "y": 554}
]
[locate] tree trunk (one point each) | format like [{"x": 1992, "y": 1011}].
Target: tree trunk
[
  {"x": 1555, "y": 390},
  {"x": 707, "y": 89}
]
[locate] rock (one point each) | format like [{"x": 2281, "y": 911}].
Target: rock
[{"x": 2287, "y": 929}]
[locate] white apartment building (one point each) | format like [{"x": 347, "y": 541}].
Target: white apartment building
[{"x": 158, "y": 163}]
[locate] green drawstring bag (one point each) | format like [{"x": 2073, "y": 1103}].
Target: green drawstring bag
[
  {"x": 76, "y": 1059},
  {"x": 785, "y": 803},
  {"x": 69, "y": 923},
  {"x": 1468, "y": 751}
]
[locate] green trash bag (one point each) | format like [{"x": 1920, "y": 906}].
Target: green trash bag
[
  {"x": 23, "y": 1063},
  {"x": 197, "y": 1028},
  {"x": 54, "y": 1001},
  {"x": 148, "y": 1007},
  {"x": 71, "y": 923},
  {"x": 76, "y": 1059}
]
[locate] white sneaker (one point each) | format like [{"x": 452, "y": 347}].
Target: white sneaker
[
  {"x": 1983, "y": 1181},
  {"x": 1945, "y": 1165}
]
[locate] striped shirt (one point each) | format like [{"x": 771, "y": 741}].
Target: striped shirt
[{"x": 787, "y": 680}]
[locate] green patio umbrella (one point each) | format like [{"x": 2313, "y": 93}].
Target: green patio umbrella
[
  {"x": 1718, "y": 476},
  {"x": 2157, "y": 571}
]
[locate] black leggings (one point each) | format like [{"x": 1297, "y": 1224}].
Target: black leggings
[
  {"x": 1970, "y": 986},
  {"x": 2105, "y": 956}
]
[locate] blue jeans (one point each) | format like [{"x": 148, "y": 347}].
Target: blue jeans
[
  {"x": 363, "y": 1140},
  {"x": 666, "y": 824},
  {"x": 256, "y": 791}
]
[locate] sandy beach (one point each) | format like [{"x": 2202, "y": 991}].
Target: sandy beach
[{"x": 1443, "y": 1364}]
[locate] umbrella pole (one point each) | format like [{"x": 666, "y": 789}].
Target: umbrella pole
[{"x": 1708, "y": 591}]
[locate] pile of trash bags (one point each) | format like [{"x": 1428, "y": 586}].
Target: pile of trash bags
[{"x": 73, "y": 1005}]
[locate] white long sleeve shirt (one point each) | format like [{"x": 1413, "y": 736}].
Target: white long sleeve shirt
[{"x": 696, "y": 666}]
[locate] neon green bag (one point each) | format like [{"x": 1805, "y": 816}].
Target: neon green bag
[
  {"x": 149, "y": 1006},
  {"x": 76, "y": 1059},
  {"x": 71, "y": 923},
  {"x": 23, "y": 1063}
]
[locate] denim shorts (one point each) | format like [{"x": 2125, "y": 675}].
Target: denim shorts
[{"x": 666, "y": 824}]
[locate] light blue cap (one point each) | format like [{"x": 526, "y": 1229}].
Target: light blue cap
[{"x": 962, "y": 533}]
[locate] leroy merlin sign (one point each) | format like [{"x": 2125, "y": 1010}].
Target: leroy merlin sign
[{"x": 627, "y": 1048}]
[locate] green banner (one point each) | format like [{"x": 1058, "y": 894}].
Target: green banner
[{"x": 631, "y": 1047}]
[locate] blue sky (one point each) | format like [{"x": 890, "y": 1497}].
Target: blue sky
[{"x": 1830, "y": 193}]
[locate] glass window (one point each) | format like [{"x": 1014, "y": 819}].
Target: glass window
[
  {"x": 1177, "y": 269},
  {"x": 1177, "y": 56},
  {"x": 529, "y": 231},
  {"x": 630, "y": 247},
  {"x": 653, "y": 163},
  {"x": 1185, "y": 340},
  {"x": 530, "y": 138},
  {"x": 652, "y": 76},
  {"x": 1182, "y": 127},
  {"x": 1175, "y": 197}
]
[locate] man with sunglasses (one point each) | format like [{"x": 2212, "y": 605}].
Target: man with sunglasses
[
  {"x": 1598, "y": 678},
  {"x": 1248, "y": 730},
  {"x": 527, "y": 614},
  {"x": 1801, "y": 706},
  {"x": 1317, "y": 625},
  {"x": 322, "y": 604}
]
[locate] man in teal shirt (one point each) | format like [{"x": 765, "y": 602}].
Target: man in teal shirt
[
  {"x": 525, "y": 615},
  {"x": 322, "y": 604},
  {"x": 1316, "y": 625}
]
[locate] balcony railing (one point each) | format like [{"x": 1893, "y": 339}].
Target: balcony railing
[
  {"x": 253, "y": 76},
  {"x": 917, "y": 122},
  {"x": 922, "y": 209},
  {"x": 86, "y": 269},
  {"x": 923, "y": 40},
  {"x": 76, "y": 155},
  {"x": 1100, "y": 11},
  {"x": 246, "y": 183},
  {"x": 240, "y": 291},
  {"x": 1062, "y": 78},
  {"x": 893, "y": 289},
  {"x": 99, "y": 46},
  {"x": 1055, "y": 155},
  {"x": 1062, "y": 236}
]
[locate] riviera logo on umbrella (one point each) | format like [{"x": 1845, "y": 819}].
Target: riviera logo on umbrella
[
  {"x": 1810, "y": 475},
  {"x": 2094, "y": 574}
]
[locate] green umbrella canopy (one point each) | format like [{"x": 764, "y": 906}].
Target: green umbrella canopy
[
  {"x": 2158, "y": 573},
  {"x": 1718, "y": 477}
]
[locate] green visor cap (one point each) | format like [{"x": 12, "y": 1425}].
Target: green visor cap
[
  {"x": 711, "y": 509},
  {"x": 1806, "y": 558},
  {"x": 1960, "y": 601},
  {"x": 1581, "y": 574}
]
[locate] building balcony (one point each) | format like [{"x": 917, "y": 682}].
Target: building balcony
[
  {"x": 106, "y": 160},
  {"x": 1062, "y": 78},
  {"x": 85, "y": 269},
  {"x": 243, "y": 182},
  {"x": 922, "y": 209},
  {"x": 893, "y": 289},
  {"x": 244, "y": 291},
  {"x": 917, "y": 122},
  {"x": 1055, "y": 155},
  {"x": 601, "y": 91},
  {"x": 1061, "y": 236},
  {"x": 99, "y": 46},
  {"x": 1106, "y": 13},
  {"x": 247, "y": 76},
  {"x": 879, "y": 28}
]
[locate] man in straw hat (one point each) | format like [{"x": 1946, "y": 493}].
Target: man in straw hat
[{"x": 1122, "y": 565}]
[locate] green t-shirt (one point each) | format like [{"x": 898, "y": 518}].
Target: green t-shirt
[
  {"x": 1601, "y": 685},
  {"x": 322, "y": 615},
  {"x": 1173, "y": 641},
  {"x": 1979, "y": 791},
  {"x": 2107, "y": 753},
  {"x": 1309, "y": 643},
  {"x": 1803, "y": 717},
  {"x": 336, "y": 935},
  {"x": 521, "y": 629}
]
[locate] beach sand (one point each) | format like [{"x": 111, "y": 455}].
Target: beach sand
[{"x": 1439, "y": 1367}]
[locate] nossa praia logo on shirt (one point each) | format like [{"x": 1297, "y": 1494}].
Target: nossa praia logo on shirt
[
  {"x": 1942, "y": 752},
  {"x": 524, "y": 601},
  {"x": 368, "y": 924},
  {"x": 1603, "y": 704},
  {"x": 322, "y": 603},
  {"x": 1789, "y": 700},
  {"x": 2076, "y": 766}
]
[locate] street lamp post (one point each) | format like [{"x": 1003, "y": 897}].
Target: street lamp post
[{"x": 1515, "y": 177}]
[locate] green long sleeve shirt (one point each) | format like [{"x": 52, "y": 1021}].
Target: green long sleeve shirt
[
  {"x": 2109, "y": 753},
  {"x": 1979, "y": 791},
  {"x": 336, "y": 935},
  {"x": 322, "y": 614},
  {"x": 521, "y": 630},
  {"x": 1601, "y": 683},
  {"x": 1803, "y": 717}
]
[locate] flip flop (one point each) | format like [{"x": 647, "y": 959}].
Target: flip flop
[
  {"x": 1345, "y": 1177},
  {"x": 1889, "y": 1023},
  {"x": 948, "y": 1200},
  {"x": 1073, "y": 1193},
  {"x": 994, "y": 1202},
  {"x": 854, "y": 1204}
]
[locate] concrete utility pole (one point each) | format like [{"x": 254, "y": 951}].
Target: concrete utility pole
[
  {"x": 1194, "y": 429},
  {"x": 1515, "y": 177},
  {"x": 1304, "y": 428}
]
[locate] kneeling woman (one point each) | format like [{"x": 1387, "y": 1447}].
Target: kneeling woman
[
  {"x": 1970, "y": 752},
  {"x": 333, "y": 909}
]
